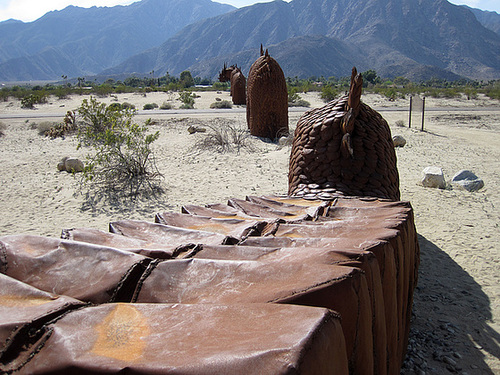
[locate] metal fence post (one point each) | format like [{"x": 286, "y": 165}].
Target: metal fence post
[
  {"x": 409, "y": 118},
  {"x": 423, "y": 112}
]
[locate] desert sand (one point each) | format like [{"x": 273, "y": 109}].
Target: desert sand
[{"x": 456, "y": 323}]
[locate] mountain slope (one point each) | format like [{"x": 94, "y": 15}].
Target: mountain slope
[
  {"x": 97, "y": 38},
  {"x": 396, "y": 37},
  {"x": 490, "y": 20}
]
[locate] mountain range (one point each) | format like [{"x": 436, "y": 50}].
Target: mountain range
[
  {"x": 84, "y": 41},
  {"x": 418, "y": 39}
]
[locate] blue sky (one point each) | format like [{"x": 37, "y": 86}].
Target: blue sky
[{"x": 29, "y": 10}]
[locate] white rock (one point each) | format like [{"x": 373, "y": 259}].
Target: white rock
[
  {"x": 433, "y": 178},
  {"x": 398, "y": 141},
  {"x": 71, "y": 165},
  {"x": 467, "y": 180}
]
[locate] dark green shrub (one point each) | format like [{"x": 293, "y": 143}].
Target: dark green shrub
[
  {"x": 150, "y": 106},
  {"x": 32, "y": 99},
  {"x": 115, "y": 107},
  {"x": 127, "y": 105},
  {"x": 3, "y": 127},
  {"x": 328, "y": 93}
]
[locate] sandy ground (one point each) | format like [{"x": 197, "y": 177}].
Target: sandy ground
[{"x": 456, "y": 320}]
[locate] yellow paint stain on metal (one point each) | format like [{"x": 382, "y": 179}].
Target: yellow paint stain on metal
[
  {"x": 120, "y": 335},
  {"x": 20, "y": 301}
]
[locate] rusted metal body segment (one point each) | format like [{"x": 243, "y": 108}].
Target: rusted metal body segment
[
  {"x": 234, "y": 75},
  {"x": 192, "y": 339},
  {"x": 84, "y": 271},
  {"x": 357, "y": 257},
  {"x": 267, "y": 98},
  {"x": 343, "y": 148}
]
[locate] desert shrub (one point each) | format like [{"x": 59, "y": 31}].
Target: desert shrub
[
  {"x": 166, "y": 105},
  {"x": 103, "y": 90},
  {"x": 122, "y": 162},
  {"x": 29, "y": 101},
  {"x": 299, "y": 103},
  {"x": 4, "y": 95},
  {"x": 127, "y": 105},
  {"x": 150, "y": 106},
  {"x": 62, "y": 92},
  {"x": 187, "y": 99},
  {"x": 224, "y": 138},
  {"x": 221, "y": 104},
  {"x": 294, "y": 99},
  {"x": 115, "y": 107},
  {"x": 328, "y": 93},
  {"x": 55, "y": 129},
  {"x": 44, "y": 127},
  {"x": 400, "y": 123}
]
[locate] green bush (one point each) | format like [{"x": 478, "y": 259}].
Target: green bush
[
  {"x": 122, "y": 161},
  {"x": 115, "y": 107},
  {"x": 187, "y": 99},
  {"x": 150, "y": 106},
  {"x": 127, "y": 105},
  {"x": 44, "y": 127},
  {"x": 223, "y": 104},
  {"x": 328, "y": 93},
  {"x": 32, "y": 99},
  {"x": 166, "y": 105}
]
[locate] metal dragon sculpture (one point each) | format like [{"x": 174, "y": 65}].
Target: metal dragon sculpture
[
  {"x": 345, "y": 148},
  {"x": 267, "y": 98},
  {"x": 238, "y": 82}
]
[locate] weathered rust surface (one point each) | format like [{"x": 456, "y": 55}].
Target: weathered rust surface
[
  {"x": 84, "y": 271},
  {"x": 343, "y": 148},
  {"x": 238, "y": 229},
  {"x": 193, "y": 339},
  {"x": 267, "y": 98},
  {"x": 234, "y": 75},
  {"x": 169, "y": 235},
  {"x": 357, "y": 257},
  {"x": 117, "y": 241},
  {"x": 22, "y": 308}
]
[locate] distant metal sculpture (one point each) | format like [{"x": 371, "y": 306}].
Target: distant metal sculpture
[
  {"x": 342, "y": 148},
  {"x": 238, "y": 81},
  {"x": 267, "y": 98}
]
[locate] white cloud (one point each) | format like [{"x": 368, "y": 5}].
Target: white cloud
[
  {"x": 30, "y": 10},
  {"x": 491, "y": 5}
]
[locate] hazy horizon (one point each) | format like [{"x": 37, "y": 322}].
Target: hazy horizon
[{"x": 31, "y": 10}]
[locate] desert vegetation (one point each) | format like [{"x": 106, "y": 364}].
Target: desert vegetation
[
  {"x": 120, "y": 161},
  {"x": 330, "y": 88},
  {"x": 225, "y": 137}
]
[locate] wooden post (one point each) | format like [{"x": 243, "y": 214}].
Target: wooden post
[
  {"x": 423, "y": 112},
  {"x": 409, "y": 118}
]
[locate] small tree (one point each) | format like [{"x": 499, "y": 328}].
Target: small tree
[
  {"x": 122, "y": 162},
  {"x": 186, "y": 79}
]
